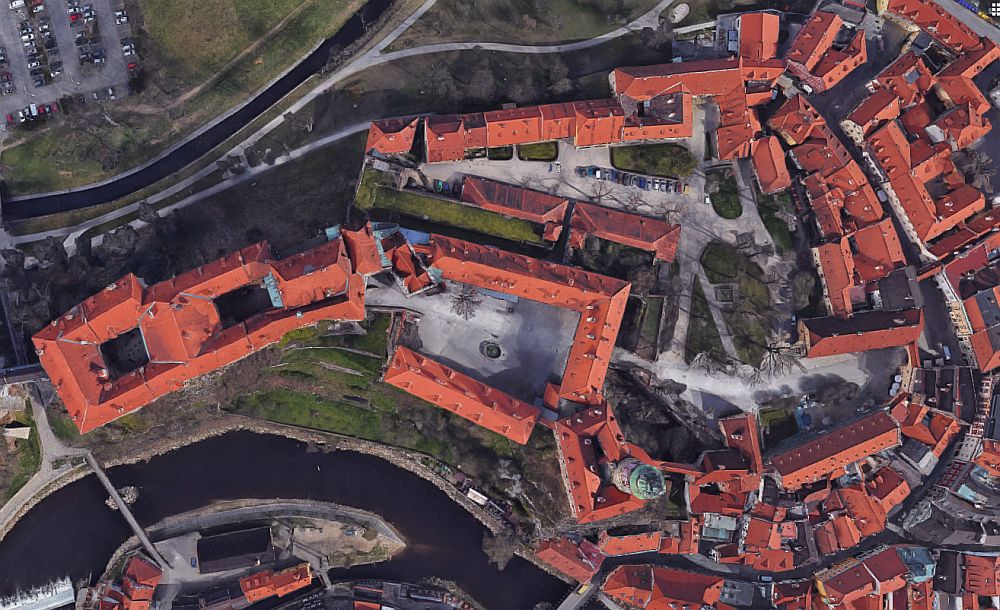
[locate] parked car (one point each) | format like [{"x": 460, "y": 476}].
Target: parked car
[
  {"x": 34, "y": 63},
  {"x": 121, "y": 18}
]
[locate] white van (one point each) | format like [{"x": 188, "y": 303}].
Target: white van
[{"x": 16, "y": 4}]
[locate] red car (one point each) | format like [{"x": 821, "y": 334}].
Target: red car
[
  {"x": 10, "y": 119},
  {"x": 53, "y": 108},
  {"x": 5, "y": 77}
]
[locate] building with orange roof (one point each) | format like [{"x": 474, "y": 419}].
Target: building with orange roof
[
  {"x": 960, "y": 126},
  {"x": 866, "y": 255},
  {"x": 742, "y": 432},
  {"x": 392, "y": 136},
  {"x": 462, "y": 395},
  {"x": 887, "y": 486},
  {"x": 133, "y": 590},
  {"x": 932, "y": 18},
  {"x": 795, "y": 120},
  {"x": 264, "y": 584},
  {"x": 836, "y": 534},
  {"x": 629, "y": 544},
  {"x": 959, "y": 90},
  {"x": 971, "y": 63},
  {"x": 908, "y": 78},
  {"x": 649, "y": 234},
  {"x": 128, "y": 345},
  {"x": 658, "y": 588},
  {"x": 517, "y": 202},
  {"x": 983, "y": 315},
  {"x": 512, "y": 126},
  {"x": 681, "y": 537},
  {"x": 982, "y": 574},
  {"x": 872, "y": 112},
  {"x": 578, "y": 560},
  {"x": 828, "y": 454},
  {"x": 759, "y": 34},
  {"x": 989, "y": 457},
  {"x": 814, "y": 39},
  {"x": 861, "y": 332},
  {"x": 854, "y": 583},
  {"x": 706, "y": 77},
  {"x": 931, "y": 427},
  {"x": 769, "y": 165},
  {"x": 836, "y": 64},
  {"x": 591, "y": 441},
  {"x": 447, "y": 137},
  {"x": 877, "y": 251}
]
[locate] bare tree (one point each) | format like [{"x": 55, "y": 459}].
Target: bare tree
[
  {"x": 633, "y": 202},
  {"x": 466, "y": 302},
  {"x": 600, "y": 190}
]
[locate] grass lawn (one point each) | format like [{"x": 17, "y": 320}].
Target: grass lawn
[
  {"x": 310, "y": 411},
  {"x": 500, "y": 153},
  {"x": 520, "y": 21},
  {"x": 726, "y": 202},
  {"x": 24, "y": 462},
  {"x": 703, "y": 335},
  {"x": 777, "y": 425},
  {"x": 184, "y": 44},
  {"x": 768, "y": 207},
  {"x": 724, "y": 264},
  {"x": 650, "y": 328},
  {"x": 542, "y": 151},
  {"x": 667, "y": 160},
  {"x": 374, "y": 193}
]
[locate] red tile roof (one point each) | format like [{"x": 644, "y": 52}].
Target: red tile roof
[
  {"x": 982, "y": 574},
  {"x": 971, "y": 63},
  {"x": 907, "y": 78},
  {"x": 936, "y": 21},
  {"x": 699, "y": 77},
  {"x": 264, "y": 584},
  {"x": 517, "y": 202},
  {"x": 935, "y": 429},
  {"x": 769, "y": 163},
  {"x": 861, "y": 332},
  {"x": 795, "y": 120},
  {"x": 817, "y": 459},
  {"x": 629, "y": 544},
  {"x": 835, "y": 65},
  {"x": 759, "y": 35},
  {"x": 392, "y": 136},
  {"x": 181, "y": 330},
  {"x": 513, "y": 126},
  {"x": 580, "y": 561},
  {"x": 462, "y": 395},
  {"x": 650, "y": 234},
  {"x": 656, "y": 588},
  {"x": 989, "y": 457},
  {"x": 881, "y": 106},
  {"x": 814, "y": 39},
  {"x": 877, "y": 251}
]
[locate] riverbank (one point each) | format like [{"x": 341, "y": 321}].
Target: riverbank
[{"x": 410, "y": 461}]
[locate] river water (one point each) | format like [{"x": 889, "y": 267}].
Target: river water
[{"x": 73, "y": 533}]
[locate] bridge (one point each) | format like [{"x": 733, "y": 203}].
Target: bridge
[{"x": 125, "y": 511}]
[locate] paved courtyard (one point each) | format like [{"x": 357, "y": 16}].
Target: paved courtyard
[{"x": 534, "y": 339}]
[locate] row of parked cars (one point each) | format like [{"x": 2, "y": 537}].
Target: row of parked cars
[
  {"x": 32, "y": 112},
  {"x": 646, "y": 183}
]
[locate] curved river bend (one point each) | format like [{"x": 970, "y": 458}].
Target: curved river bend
[{"x": 73, "y": 533}]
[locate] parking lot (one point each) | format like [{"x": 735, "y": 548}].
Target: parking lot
[{"x": 49, "y": 58}]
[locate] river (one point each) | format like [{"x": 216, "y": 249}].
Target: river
[
  {"x": 191, "y": 150},
  {"x": 73, "y": 533}
]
